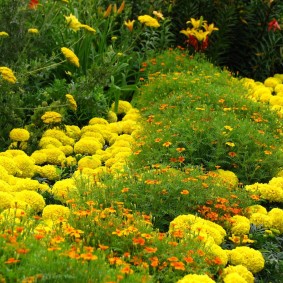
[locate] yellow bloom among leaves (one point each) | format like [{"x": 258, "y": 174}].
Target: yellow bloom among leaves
[
  {"x": 33, "y": 30},
  {"x": 8, "y": 75},
  {"x": 19, "y": 134},
  {"x": 88, "y": 28},
  {"x": 70, "y": 56},
  {"x": 72, "y": 102},
  {"x": 73, "y": 23},
  {"x": 149, "y": 21},
  {"x": 51, "y": 117},
  {"x": 3, "y": 34}
]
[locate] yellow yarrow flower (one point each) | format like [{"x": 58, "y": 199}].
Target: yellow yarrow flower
[
  {"x": 51, "y": 117},
  {"x": 72, "y": 102},
  {"x": 33, "y": 30},
  {"x": 149, "y": 21},
  {"x": 3, "y": 34},
  {"x": 8, "y": 75},
  {"x": 70, "y": 56}
]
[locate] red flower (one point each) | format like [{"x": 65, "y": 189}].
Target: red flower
[
  {"x": 273, "y": 25},
  {"x": 33, "y": 4}
]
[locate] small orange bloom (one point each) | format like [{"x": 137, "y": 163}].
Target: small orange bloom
[
  {"x": 154, "y": 261},
  {"x": 88, "y": 256},
  {"x": 178, "y": 265},
  {"x": 184, "y": 192},
  {"x": 232, "y": 154},
  {"x": 150, "y": 249},
  {"x": 180, "y": 149},
  {"x": 12, "y": 260},
  {"x": 173, "y": 258},
  {"x": 38, "y": 236},
  {"x": 189, "y": 259},
  {"x": 181, "y": 159},
  {"x": 167, "y": 144},
  {"x": 127, "y": 270},
  {"x": 138, "y": 241},
  {"x": 125, "y": 190},
  {"x": 157, "y": 140}
]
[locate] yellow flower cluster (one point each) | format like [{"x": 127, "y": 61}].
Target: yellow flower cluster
[
  {"x": 149, "y": 21},
  {"x": 8, "y": 75},
  {"x": 55, "y": 212},
  {"x": 33, "y": 30},
  {"x": 3, "y": 34},
  {"x": 51, "y": 117},
  {"x": 240, "y": 270},
  {"x": 34, "y": 199},
  {"x": 70, "y": 56},
  {"x": 196, "y": 278},
  {"x": 248, "y": 257},
  {"x": 240, "y": 225},
  {"x": 64, "y": 189},
  {"x": 19, "y": 134},
  {"x": 269, "y": 92},
  {"x": 72, "y": 102}
]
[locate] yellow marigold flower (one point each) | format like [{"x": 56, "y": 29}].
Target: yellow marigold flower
[
  {"x": 70, "y": 56},
  {"x": 72, "y": 102},
  {"x": 55, "y": 212},
  {"x": 87, "y": 146},
  {"x": 39, "y": 157},
  {"x": 51, "y": 172},
  {"x": 34, "y": 199},
  {"x": 59, "y": 135},
  {"x": 5, "y": 200},
  {"x": 260, "y": 219},
  {"x": 10, "y": 166},
  {"x": 33, "y": 30},
  {"x": 3, "y": 34},
  {"x": 26, "y": 166},
  {"x": 8, "y": 75},
  {"x": 248, "y": 257},
  {"x": 73, "y": 131},
  {"x": 73, "y": 22},
  {"x": 19, "y": 134},
  {"x": 129, "y": 24},
  {"x": 239, "y": 269},
  {"x": 45, "y": 142},
  {"x": 51, "y": 117},
  {"x": 227, "y": 177},
  {"x": 88, "y": 28},
  {"x": 89, "y": 162},
  {"x": 240, "y": 225},
  {"x": 64, "y": 189},
  {"x": 234, "y": 277},
  {"x": 123, "y": 107},
  {"x": 272, "y": 82},
  {"x": 54, "y": 155},
  {"x": 196, "y": 278},
  {"x": 97, "y": 120},
  {"x": 276, "y": 218},
  {"x": 149, "y": 21}
]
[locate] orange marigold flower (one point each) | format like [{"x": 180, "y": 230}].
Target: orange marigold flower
[
  {"x": 138, "y": 241},
  {"x": 88, "y": 256},
  {"x": 180, "y": 149},
  {"x": 125, "y": 190},
  {"x": 157, "y": 140},
  {"x": 150, "y": 249},
  {"x": 154, "y": 261},
  {"x": 173, "y": 258},
  {"x": 184, "y": 192},
  {"x": 189, "y": 259},
  {"x": 178, "y": 265},
  {"x": 232, "y": 154},
  {"x": 167, "y": 144},
  {"x": 181, "y": 159},
  {"x": 127, "y": 270},
  {"x": 12, "y": 260}
]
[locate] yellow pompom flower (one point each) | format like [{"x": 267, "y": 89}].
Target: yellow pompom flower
[
  {"x": 240, "y": 225},
  {"x": 260, "y": 219},
  {"x": 123, "y": 107},
  {"x": 112, "y": 117},
  {"x": 51, "y": 172},
  {"x": 10, "y": 166},
  {"x": 241, "y": 270},
  {"x": 45, "y": 142},
  {"x": 234, "y": 277},
  {"x": 8, "y": 75},
  {"x": 149, "y": 21},
  {"x": 26, "y": 165},
  {"x": 51, "y": 117},
  {"x": 33, "y": 30},
  {"x": 248, "y": 257},
  {"x": 276, "y": 218},
  {"x": 39, "y": 157},
  {"x": 70, "y": 56},
  {"x": 34, "y": 199},
  {"x": 19, "y": 134},
  {"x": 72, "y": 102},
  {"x": 64, "y": 189},
  {"x": 25, "y": 184},
  {"x": 54, "y": 155},
  {"x": 272, "y": 82},
  {"x": 196, "y": 278},
  {"x": 89, "y": 162},
  {"x": 87, "y": 146},
  {"x": 73, "y": 131},
  {"x": 55, "y": 212},
  {"x": 3, "y": 34},
  {"x": 5, "y": 200},
  {"x": 97, "y": 120}
]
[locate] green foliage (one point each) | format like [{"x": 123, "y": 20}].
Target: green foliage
[{"x": 216, "y": 125}]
